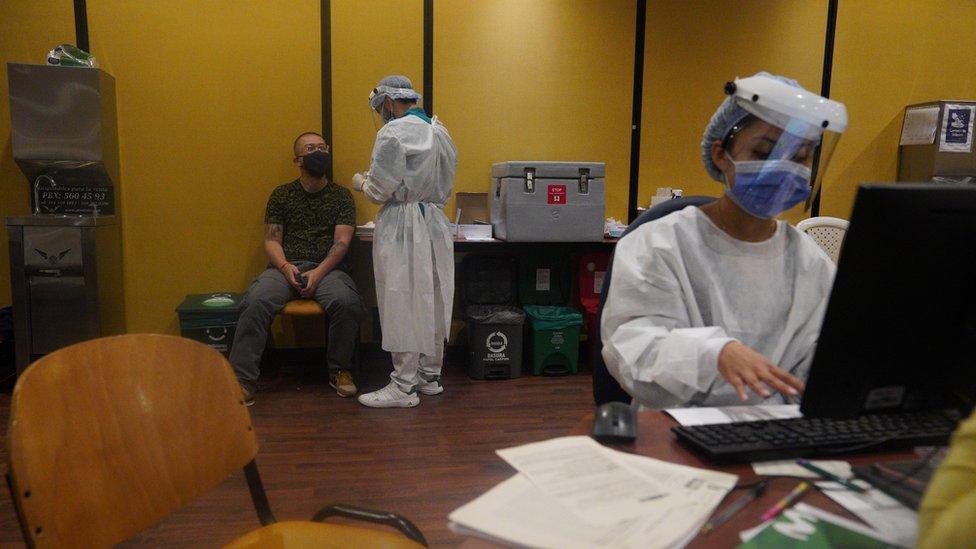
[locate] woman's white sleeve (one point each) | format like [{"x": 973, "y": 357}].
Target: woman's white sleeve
[
  {"x": 387, "y": 168},
  {"x": 649, "y": 345}
]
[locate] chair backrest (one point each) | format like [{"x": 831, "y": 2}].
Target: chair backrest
[
  {"x": 109, "y": 436},
  {"x": 605, "y": 387},
  {"x": 827, "y": 232}
]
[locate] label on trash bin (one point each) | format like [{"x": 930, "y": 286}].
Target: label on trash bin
[
  {"x": 557, "y": 194},
  {"x": 496, "y": 345},
  {"x": 558, "y": 338},
  {"x": 542, "y": 280}
]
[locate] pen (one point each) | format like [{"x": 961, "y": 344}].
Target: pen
[
  {"x": 827, "y": 474},
  {"x": 895, "y": 476},
  {"x": 734, "y": 507},
  {"x": 784, "y": 503}
]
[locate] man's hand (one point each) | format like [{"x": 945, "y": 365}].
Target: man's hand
[
  {"x": 291, "y": 273},
  {"x": 314, "y": 277},
  {"x": 358, "y": 180},
  {"x": 741, "y": 366}
]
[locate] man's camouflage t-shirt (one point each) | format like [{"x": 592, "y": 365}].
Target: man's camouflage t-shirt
[{"x": 308, "y": 220}]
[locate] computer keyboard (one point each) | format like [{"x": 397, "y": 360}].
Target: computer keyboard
[{"x": 799, "y": 437}]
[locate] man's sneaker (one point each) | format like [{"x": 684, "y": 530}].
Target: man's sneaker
[
  {"x": 342, "y": 382},
  {"x": 247, "y": 397},
  {"x": 390, "y": 397},
  {"x": 431, "y": 386}
]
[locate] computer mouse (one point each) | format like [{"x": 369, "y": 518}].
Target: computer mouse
[{"x": 614, "y": 422}]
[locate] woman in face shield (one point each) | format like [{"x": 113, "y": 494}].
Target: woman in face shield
[
  {"x": 412, "y": 175},
  {"x": 722, "y": 304}
]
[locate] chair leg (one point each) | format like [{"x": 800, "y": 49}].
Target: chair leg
[
  {"x": 357, "y": 356},
  {"x": 408, "y": 528},
  {"x": 258, "y": 496}
]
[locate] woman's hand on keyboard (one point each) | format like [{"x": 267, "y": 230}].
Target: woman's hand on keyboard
[{"x": 742, "y": 367}]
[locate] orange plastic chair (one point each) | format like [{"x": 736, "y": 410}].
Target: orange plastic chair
[{"x": 110, "y": 436}]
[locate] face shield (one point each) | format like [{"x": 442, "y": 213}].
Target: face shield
[
  {"x": 382, "y": 108},
  {"x": 787, "y": 135}
]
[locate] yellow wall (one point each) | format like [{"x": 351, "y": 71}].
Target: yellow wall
[
  {"x": 28, "y": 30},
  {"x": 210, "y": 95},
  {"x": 540, "y": 80},
  {"x": 889, "y": 55},
  {"x": 691, "y": 50},
  {"x": 369, "y": 41},
  {"x": 210, "y": 98}
]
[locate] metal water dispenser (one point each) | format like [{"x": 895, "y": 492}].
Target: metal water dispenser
[{"x": 66, "y": 258}]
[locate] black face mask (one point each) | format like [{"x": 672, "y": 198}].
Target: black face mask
[{"x": 317, "y": 163}]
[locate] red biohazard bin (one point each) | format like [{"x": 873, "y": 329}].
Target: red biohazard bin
[{"x": 592, "y": 270}]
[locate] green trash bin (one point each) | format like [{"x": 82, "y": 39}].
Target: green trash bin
[
  {"x": 554, "y": 339},
  {"x": 210, "y": 319}
]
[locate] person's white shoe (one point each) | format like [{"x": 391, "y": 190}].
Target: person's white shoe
[
  {"x": 430, "y": 386},
  {"x": 390, "y": 397}
]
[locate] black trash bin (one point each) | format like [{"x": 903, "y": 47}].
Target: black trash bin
[
  {"x": 494, "y": 341},
  {"x": 210, "y": 319},
  {"x": 489, "y": 291}
]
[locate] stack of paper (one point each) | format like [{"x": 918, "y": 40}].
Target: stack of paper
[
  {"x": 733, "y": 414},
  {"x": 572, "y": 492},
  {"x": 892, "y": 520}
]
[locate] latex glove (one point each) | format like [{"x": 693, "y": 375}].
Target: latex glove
[{"x": 357, "y": 181}]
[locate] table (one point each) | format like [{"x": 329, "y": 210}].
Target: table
[
  {"x": 655, "y": 439},
  {"x": 360, "y": 259}
]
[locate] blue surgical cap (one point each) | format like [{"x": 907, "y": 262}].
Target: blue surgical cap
[
  {"x": 728, "y": 115},
  {"x": 395, "y": 87}
]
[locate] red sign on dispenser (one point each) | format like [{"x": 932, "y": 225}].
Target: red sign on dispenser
[{"x": 557, "y": 194}]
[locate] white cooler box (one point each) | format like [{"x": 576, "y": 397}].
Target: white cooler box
[{"x": 547, "y": 201}]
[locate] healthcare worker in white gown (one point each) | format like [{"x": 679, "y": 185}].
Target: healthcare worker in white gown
[
  {"x": 412, "y": 175},
  {"x": 723, "y": 304}
]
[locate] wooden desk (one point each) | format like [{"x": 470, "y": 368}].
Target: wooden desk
[{"x": 655, "y": 439}]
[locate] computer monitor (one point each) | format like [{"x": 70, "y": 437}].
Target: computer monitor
[{"x": 899, "y": 332}]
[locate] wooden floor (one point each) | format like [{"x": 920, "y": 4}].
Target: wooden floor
[{"x": 318, "y": 449}]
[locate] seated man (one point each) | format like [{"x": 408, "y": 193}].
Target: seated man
[
  {"x": 708, "y": 302},
  {"x": 309, "y": 224}
]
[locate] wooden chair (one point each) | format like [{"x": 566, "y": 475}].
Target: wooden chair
[
  {"x": 302, "y": 307},
  {"x": 306, "y": 308},
  {"x": 110, "y": 436}
]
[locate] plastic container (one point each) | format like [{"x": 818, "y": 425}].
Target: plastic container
[
  {"x": 554, "y": 339},
  {"x": 494, "y": 341},
  {"x": 548, "y": 201},
  {"x": 210, "y": 319}
]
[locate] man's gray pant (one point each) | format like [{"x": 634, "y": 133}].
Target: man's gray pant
[{"x": 269, "y": 293}]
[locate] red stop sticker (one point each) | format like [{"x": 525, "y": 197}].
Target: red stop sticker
[{"x": 557, "y": 194}]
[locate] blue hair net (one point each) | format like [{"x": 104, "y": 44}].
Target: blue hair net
[
  {"x": 728, "y": 114},
  {"x": 395, "y": 87}
]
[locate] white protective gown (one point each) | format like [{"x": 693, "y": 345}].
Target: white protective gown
[
  {"x": 412, "y": 174},
  {"x": 682, "y": 288}
]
